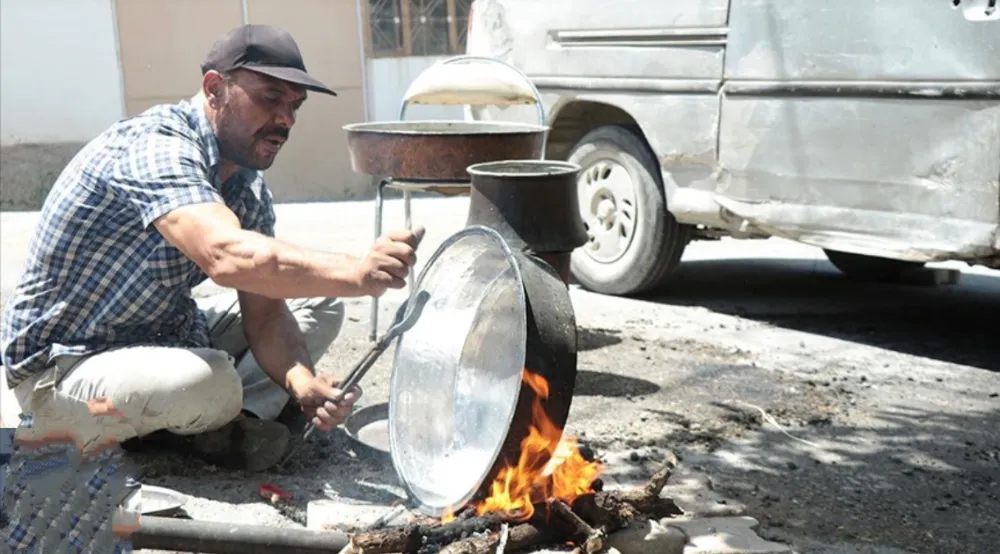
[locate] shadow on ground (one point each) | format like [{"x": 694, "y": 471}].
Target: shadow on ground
[
  {"x": 913, "y": 479},
  {"x": 588, "y": 338},
  {"x": 328, "y": 466},
  {"x": 595, "y": 383},
  {"x": 950, "y": 323}
]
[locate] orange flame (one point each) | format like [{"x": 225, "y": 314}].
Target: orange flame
[{"x": 550, "y": 466}]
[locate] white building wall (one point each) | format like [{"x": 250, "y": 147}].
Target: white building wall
[{"x": 59, "y": 70}]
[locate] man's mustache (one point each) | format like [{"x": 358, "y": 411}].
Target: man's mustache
[{"x": 273, "y": 132}]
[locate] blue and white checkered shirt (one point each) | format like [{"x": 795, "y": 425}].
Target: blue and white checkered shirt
[{"x": 98, "y": 274}]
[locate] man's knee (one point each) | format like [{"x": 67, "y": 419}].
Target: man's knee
[
  {"x": 330, "y": 315},
  {"x": 320, "y": 320},
  {"x": 206, "y": 397},
  {"x": 325, "y": 311}
]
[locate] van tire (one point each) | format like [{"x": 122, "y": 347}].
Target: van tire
[
  {"x": 870, "y": 268},
  {"x": 657, "y": 240}
]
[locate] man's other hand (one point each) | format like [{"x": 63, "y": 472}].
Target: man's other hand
[
  {"x": 389, "y": 262},
  {"x": 319, "y": 400}
]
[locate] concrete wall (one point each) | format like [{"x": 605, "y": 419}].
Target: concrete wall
[
  {"x": 72, "y": 67},
  {"x": 61, "y": 85}
]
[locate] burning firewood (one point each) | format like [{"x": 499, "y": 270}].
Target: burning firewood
[
  {"x": 585, "y": 522},
  {"x": 412, "y": 538},
  {"x": 551, "y": 494},
  {"x": 613, "y": 510},
  {"x": 522, "y": 536},
  {"x": 590, "y": 540}
]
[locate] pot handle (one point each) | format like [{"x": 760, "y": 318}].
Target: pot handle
[{"x": 472, "y": 80}]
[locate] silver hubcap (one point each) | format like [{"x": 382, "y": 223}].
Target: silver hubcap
[{"x": 607, "y": 205}]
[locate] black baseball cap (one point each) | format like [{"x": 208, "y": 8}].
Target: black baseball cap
[{"x": 264, "y": 49}]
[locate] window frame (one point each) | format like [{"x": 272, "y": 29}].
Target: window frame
[{"x": 405, "y": 50}]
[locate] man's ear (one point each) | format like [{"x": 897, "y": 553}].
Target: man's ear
[{"x": 213, "y": 86}]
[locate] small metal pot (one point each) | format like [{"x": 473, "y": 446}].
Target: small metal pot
[
  {"x": 368, "y": 427},
  {"x": 438, "y": 151}
]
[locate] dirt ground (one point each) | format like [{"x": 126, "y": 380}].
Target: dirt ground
[
  {"x": 846, "y": 417},
  {"x": 869, "y": 427}
]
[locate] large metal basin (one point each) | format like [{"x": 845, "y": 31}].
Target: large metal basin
[
  {"x": 459, "y": 409},
  {"x": 438, "y": 151}
]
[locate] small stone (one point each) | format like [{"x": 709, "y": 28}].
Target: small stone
[
  {"x": 792, "y": 466},
  {"x": 724, "y": 535},
  {"x": 643, "y": 537}
]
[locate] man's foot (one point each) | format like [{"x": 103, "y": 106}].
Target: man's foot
[{"x": 245, "y": 443}]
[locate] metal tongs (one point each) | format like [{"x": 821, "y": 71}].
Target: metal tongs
[{"x": 406, "y": 316}]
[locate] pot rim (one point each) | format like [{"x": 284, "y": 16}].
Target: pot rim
[{"x": 501, "y": 168}]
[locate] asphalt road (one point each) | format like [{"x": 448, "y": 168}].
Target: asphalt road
[{"x": 845, "y": 416}]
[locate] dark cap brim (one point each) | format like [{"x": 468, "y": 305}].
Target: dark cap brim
[{"x": 294, "y": 76}]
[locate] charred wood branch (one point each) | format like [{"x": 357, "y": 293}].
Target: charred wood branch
[
  {"x": 578, "y": 531},
  {"x": 613, "y": 510},
  {"x": 659, "y": 479},
  {"x": 574, "y": 528},
  {"x": 647, "y": 500},
  {"x": 414, "y": 537},
  {"x": 586, "y": 523},
  {"x": 521, "y": 537}
]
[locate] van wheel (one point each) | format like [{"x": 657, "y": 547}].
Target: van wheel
[
  {"x": 870, "y": 267},
  {"x": 634, "y": 243}
]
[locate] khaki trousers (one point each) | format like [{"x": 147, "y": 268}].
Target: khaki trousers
[{"x": 112, "y": 396}]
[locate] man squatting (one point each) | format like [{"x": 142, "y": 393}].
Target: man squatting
[{"x": 103, "y": 338}]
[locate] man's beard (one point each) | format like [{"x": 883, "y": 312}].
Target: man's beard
[{"x": 239, "y": 145}]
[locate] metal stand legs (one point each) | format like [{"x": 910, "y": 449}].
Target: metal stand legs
[
  {"x": 373, "y": 315},
  {"x": 408, "y": 221}
]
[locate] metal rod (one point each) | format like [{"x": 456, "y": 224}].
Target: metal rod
[
  {"x": 185, "y": 535},
  {"x": 408, "y": 221},
  {"x": 373, "y": 315},
  {"x": 406, "y": 316}
]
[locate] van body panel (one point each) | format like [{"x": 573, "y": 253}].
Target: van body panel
[
  {"x": 866, "y": 127},
  {"x": 901, "y": 157}
]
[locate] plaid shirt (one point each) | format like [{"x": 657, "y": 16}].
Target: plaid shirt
[{"x": 98, "y": 274}]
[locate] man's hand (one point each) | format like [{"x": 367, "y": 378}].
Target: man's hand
[
  {"x": 316, "y": 397},
  {"x": 389, "y": 261}
]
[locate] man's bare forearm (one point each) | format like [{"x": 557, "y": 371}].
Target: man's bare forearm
[
  {"x": 262, "y": 265},
  {"x": 279, "y": 346}
]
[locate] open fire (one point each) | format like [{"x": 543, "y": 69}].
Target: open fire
[
  {"x": 551, "y": 474},
  {"x": 550, "y": 466}
]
